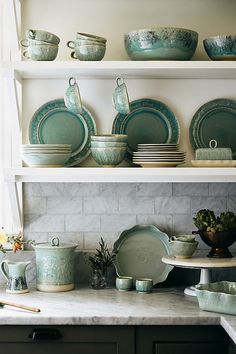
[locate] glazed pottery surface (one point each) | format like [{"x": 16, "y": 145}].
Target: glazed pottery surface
[
  {"x": 149, "y": 122},
  {"x": 104, "y": 144},
  {"x": 14, "y": 272},
  {"x": 164, "y": 43},
  {"x": 108, "y": 156},
  {"x": 221, "y": 47},
  {"x": 81, "y": 35},
  {"x": 53, "y": 123},
  {"x": 92, "y": 52},
  {"x": 140, "y": 250},
  {"x": 182, "y": 249},
  {"x": 72, "y": 97},
  {"x": 42, "y": 36},
  {"x": 37, "y": 159},
  {"x": 124, "y": 283},
  {"x": 213, "y": 153},
  {"x": 216, "y": 120},
  {"x": 54, "y": 266},
  {"x": 32, "y": 42},
  {"x": 144, "y": 285},
  {"x": 217, "y": 297},
  {"x": 120, "y": 97},
  {"x": 42, "y": 52},
  {"x": 110, "y": 138}
]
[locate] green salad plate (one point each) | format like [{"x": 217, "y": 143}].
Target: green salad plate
[
  {"x": 149, "y": 122},
  {"x": 53, "y": 123},
  {"x": 215, "y": 120},
  {"x": 140, "y": 250}
]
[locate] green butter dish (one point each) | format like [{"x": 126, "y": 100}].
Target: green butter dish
[
  {"x": 213, "y": 153},
  {"x": 217, "y": 297}
]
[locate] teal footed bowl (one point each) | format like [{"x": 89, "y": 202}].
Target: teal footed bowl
[
  {"x": 108, "y": 157},
  {"x": 164, "y": 43},
  {"x": 221, "y": 47}
]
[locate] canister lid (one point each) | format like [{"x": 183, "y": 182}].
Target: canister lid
[{"x": 54, "y": 244}]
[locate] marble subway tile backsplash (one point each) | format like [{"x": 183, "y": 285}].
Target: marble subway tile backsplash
[{"x": 83, "y": 212}]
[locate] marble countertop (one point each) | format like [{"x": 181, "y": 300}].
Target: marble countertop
[{"x": 86, "y": 306}]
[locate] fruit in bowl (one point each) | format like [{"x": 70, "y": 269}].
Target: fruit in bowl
[{"x": 218, "y": 232}]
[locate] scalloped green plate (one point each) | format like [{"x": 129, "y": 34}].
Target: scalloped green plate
[
  {"x": 149, "y": 122},
  {"x": 53, "y": 123},
  {"x": 140, "y": 250}
]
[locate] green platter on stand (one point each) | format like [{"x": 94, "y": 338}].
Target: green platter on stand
[
  {"x": 215, "y": 120},
  {"x": 53, "y": 123},
  {"x": 149, "y": 122}
]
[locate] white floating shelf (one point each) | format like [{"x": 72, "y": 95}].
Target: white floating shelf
[
  {"x": 120, "y": 175},
  {"x": 128, "y": 69}
]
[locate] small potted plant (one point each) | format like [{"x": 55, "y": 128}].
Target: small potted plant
[
  {"x": 100, "y": 263},
  {"x": 218, "y": 232}
]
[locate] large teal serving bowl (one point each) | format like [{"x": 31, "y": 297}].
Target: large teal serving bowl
[
  {"x": 164, "y": 43},
  {"x": 221, "y": 47}
]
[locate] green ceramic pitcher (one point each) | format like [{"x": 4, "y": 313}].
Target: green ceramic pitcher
[{"x": 14, "y": 272}]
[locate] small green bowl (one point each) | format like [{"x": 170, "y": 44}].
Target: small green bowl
[
  {"x": 107, "y": 144},
  {"x": 108, "y": 157},
  {"x": 181, "y": 249},
  {"x": 110, "y": 138}
]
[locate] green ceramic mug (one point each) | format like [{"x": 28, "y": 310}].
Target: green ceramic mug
[
  {"x": 120, "y": 97},
  {"x": 144, "y": 285},
  {"x": 72, "y": 97}
]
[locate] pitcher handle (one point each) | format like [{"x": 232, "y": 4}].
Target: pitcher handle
[{"x": 3, "y": 269}]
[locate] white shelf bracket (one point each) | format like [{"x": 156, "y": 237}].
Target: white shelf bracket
[
  {"x": 14, "y": 102},
  {"x": 15, "y": 206},
  {"x": 13, "y": 11}
]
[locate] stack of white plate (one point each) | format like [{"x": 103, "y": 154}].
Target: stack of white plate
[
  {"x": 45, "y": 155},
  {"x": 158, "y": 155}
]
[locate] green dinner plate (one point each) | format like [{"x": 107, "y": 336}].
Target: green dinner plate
[
  {"x": 149, "y": 122},
  {"x": 53, "y": 123},
  {"x": 215, "y": 120},
  {"x": 140, "y": 250}
]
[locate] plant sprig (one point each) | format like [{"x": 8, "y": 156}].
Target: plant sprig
[{"x": 103, "y": 258}]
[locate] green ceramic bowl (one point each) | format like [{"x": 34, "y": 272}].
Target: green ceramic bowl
[
  {"x": 108, "y": 157},
  {"x": 42, "y": 36},
  {"x": 45, "y": 160},
  {"x": 89, "y": 52},
  {"x": 88, "y": 36},
  {"x": 163, "y": 43},
  {"x": 221, "y": 47},
  {"x": 41, "y": 52},
  {"x": 181, "y": 249},
  {"x": 104, "y": 144},
  {"x": 110, "y": 138},
  {"x": 217, "y": 297}
]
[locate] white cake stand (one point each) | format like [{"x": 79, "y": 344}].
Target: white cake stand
[{"x": 203, "y": 263}]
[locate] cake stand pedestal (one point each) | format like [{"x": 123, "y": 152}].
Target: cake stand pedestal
[{"x": 205, "y": 264}]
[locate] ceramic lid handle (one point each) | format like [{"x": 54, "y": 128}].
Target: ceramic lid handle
[{"x": 55, "y": 241}]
